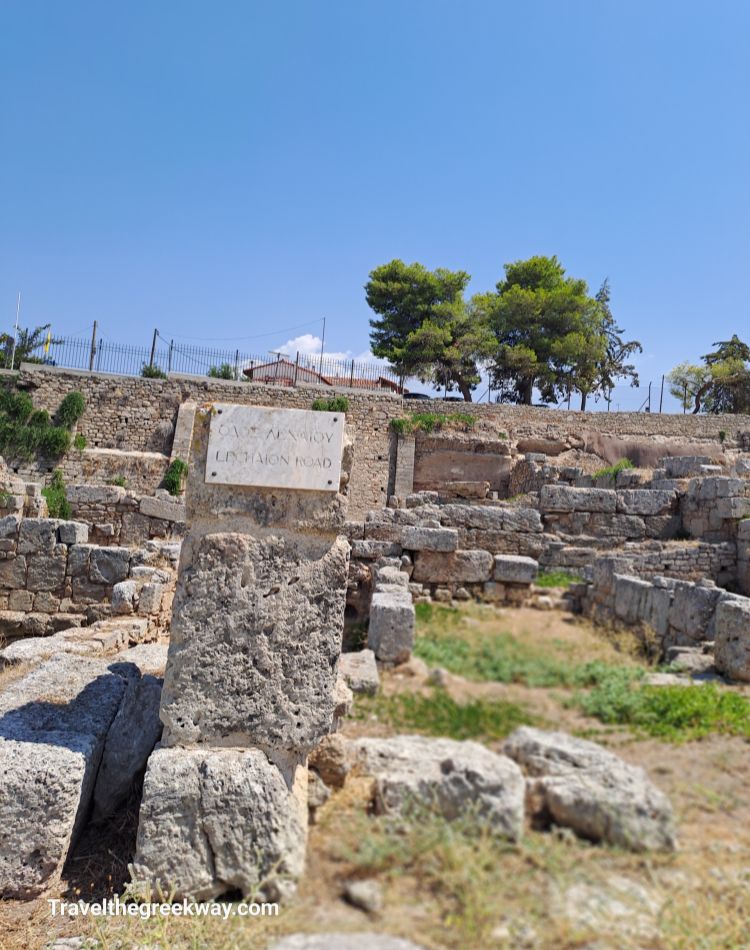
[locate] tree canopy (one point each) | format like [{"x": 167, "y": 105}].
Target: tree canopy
[
  {"x": 539, "y": 331},
  {"x": 27, "y": 341},
  {"x": 721, "y": 384}
]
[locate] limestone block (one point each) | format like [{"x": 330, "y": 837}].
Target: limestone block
[
  {"x": 692, "y": 611},
  {"x": 522, "y": 519},
  {"x": 459, "y": 567},
  {"x": 732, "y": 631},
  {"x": 134, "y": 732},
  {"x": 343, "y": 941},
  {"x": 387, "y": 576},
  {"x": 371, "y": 550},
  {"x": 53, "y": 723},
  {"x": 563, "y": 498},
  {"x": 510, "y": 569},
  {"x": 589, "y": 789},
  {"x": 37, "y": 535},
  {"x": 13, "y": 573},
  {"x": 639, "y": 602},
  {"x": 256, "y": 632},
  {"x": 150, "y": 598},
  {"x": 148, "y": 657},
  {"x": 124, "y": 596},
  {"x": 639, "y": 501},
  {"x": 360, "y": 671},
  {"x": 20, "y": 600},
  {"x": 455, "y": 777},
  {"x": 219, "y": 820},
  {"x": 473, "y": 516},
  {"x": 167, "y": 510},
  {"x": 45, "y": 571},
  {"x": 390, "y": 633},
  {"x": 429, "y": 539},
  {"x": 73, "y": 532},
  {"x": 9, "y": 525},
  {"x": 108, "y": 565},
  {"x": 683, "y": 466}
]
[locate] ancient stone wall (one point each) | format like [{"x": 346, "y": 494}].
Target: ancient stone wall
[
  {"x": 139, "y": 415},
  {"x": 117, "y": 516}
]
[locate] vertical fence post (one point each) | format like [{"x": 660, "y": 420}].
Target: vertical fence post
[
  {"x": 153, "y": 348},
  {"x": 92, "y": 352},
  {"x": 351, "y": 378},
  {"x": 661, "y": 396},
  {"x": 169, "y": 363},
  {"x": 236, "y": 365},
  {"x": 296, "y": 369}
]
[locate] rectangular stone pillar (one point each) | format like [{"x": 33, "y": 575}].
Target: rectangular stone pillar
[{"x": 250, "y": 684}]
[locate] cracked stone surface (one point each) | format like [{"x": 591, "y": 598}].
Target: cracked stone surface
[{"x": 213, "y": 821}]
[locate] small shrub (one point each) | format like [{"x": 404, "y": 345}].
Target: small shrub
[
  {"x": 57, "y": 500},
  {"x": 335, "y": 404},
  {"x": 80, "y": 442},
  {"x": 432, "y": 422},
  {"x": 722, "y": 435},
  {"x": 17, "y": 406},
  {"x": 673, "y": 713},
  {"x": 175, "y": 476},
  {"x": 556, "y": 579},
  {"x": 152, "y": 372},
  {"x": 611, "y": 470},
  {"x": 118, "y": 480},
  {"x": 54, "y": 441},
  {"x": 39, "y": 417},
  {"x": 70, "y": 410},
  {"x": 225, "y": 371}
]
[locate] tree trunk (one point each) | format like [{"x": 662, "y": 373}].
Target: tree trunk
[
  {"x": 527, "y": 390},
  {"x": 464, "y": 389},
  {"x": 583, "y": 402}
]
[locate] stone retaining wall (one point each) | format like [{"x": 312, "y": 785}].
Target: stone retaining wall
[{"x": 117, "y": 516}]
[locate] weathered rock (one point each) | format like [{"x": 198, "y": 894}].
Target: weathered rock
[
  {"x": 150, "y": 598},
  {"x": 220, "y": 820},
  {"x": 256, "y": 633},
  {"x": 388, "y": 576},
  {"x": 644, "y": 502},
  {"x": 451, "y": 776},
  {"x": 123, "y": 597},
  {"x": 563, "y": 498},
  {"x": 589, "y": 789},
  {"x": 732, "y": 644},
  {"x": 390, "y": 632},
  {"x": 418, "y": 538},
  {"x": 332, "y": 759},
  {"x": 360, "y": 671},
  {"x": 459, "y": 567},
  {"x": 366, "y": 894},
  {"x": 372, "y": 550},
  {"x": 131, "y": 739},
  {"x": 73, "y": 532},
  {"x": 108, "y": 565},
  {"x": 148, "y": 657},
  {"x": 46, "y": 572},
  {"x": 38, "y": 535},
  {"x": 53, "y": 724},
  {"x": 510, "y": 569}
]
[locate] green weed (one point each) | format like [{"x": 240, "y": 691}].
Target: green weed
[
  {"x": 556, "y": 579},
  {"x": 611, "y": 470},
  {"x": 335, "y": 404}
]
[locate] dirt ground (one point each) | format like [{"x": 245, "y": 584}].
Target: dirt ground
[{"x": 444, "y": 891}]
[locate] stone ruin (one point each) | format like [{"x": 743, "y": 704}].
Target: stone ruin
[{"x": 239, "y": 745}]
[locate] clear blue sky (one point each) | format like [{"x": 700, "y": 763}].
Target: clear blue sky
[{"x": 228, "y": 169}]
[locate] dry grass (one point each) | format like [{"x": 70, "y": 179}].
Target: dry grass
[{"x": 457, "y": 887}]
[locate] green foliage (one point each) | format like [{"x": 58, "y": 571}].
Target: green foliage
[
  {"x": 437, "y": 714},
  {"x": 432, "y": 421},
  {"x": 497, "y": 657},
  {"x": 80, "y": 442},
  {"x": 152, "y": 372},
  {"x": 673, "y": 713},
  {"x": 70, "y": 410},
  {"x": 556, "y": 579},
  {"x": 175, "y": 476},
  {"x": 335, "y": 404},
  {"x": 225, "y": 371},
  {"x": 722, "y": 436},
  {"x": 57, "y": 501},
  {"x": 610, "y": 471},
  {"x": 721, "y": 384},
  {"x": 25, "y": 431},
  {"x": 27, "y": 341},
  {"x": 118, "y": 480}
]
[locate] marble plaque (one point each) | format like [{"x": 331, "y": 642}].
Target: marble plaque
[{"x": 275, "y": 448}]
